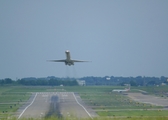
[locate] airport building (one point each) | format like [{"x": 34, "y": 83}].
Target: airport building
[{"x": 81, "y": 82}]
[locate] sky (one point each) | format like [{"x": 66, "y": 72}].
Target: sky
[{"x": 120, "y": 38}]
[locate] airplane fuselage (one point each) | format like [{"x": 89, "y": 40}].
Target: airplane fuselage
[
  {"x": 120, "y": 90},
  {"x": 68, "y": 60}
]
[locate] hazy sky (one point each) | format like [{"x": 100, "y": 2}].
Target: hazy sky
[{"x": 120, "y": 37}]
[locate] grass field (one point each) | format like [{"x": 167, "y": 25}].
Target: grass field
[{"x": 101, "y": 98}]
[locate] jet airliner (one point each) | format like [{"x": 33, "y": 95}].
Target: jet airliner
[
  {"x": 120, "y": 91},
  {"x": 68, "y": 60}
]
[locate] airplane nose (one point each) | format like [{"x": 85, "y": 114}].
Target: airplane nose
[{"x": 67, "y": 51}]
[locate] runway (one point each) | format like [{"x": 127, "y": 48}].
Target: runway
[
  {"x": 66, "y": 104},
  {"x": 158, "y": 101}
]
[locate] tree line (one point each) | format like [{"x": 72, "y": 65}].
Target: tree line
[
  {"x": 91, "y": 80},
  {"x": 133, "y": 81},
  {"x": 39, "y": 82}
]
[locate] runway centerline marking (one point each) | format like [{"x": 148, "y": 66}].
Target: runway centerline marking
[{"x": 28, "y": 106}]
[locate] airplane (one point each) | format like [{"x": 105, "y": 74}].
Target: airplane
[
  {"x": 120, "y": 91},
  {"x": 68, "y": 60}
]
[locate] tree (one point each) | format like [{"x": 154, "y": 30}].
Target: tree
[
  {"x": 133, "y": 83},
  {"x": 8, "y": 81},
  {"x": 2, "y": 82},
  {"x": 151, "y": 83}
]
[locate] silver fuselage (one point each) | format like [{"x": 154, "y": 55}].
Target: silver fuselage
[{"x": 68, "y": 60}]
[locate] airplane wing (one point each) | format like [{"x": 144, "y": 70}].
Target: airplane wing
[
  {"x": 80, "y": 61},
  {"x": 56, "y": 60}
]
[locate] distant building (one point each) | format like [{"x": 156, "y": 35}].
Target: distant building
[
  {"x": 127, "y": 85},
  {"x": 81, "y": 82},
  {"x": 108, "y": 78},
  {"x": 163, "y": 84}
]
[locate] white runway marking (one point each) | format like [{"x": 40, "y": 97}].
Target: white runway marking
[
  {"x": 82, "y": 106},
  {"x": 27, "y": 106}
]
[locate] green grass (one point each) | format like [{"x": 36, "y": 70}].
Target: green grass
[{"x": 10, "y": 101}]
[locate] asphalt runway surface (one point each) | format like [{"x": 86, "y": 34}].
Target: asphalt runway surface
[
  {"x": 154, "y": 100},
  {"x": 60, "y": 104}
]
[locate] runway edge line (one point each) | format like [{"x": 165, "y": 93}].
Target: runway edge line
[
  {"x": 28, "y": 106},
  {"x": 82, "y": 107}
]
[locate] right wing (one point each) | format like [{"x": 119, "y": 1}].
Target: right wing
[
  {"x": 56, "y": 60},
  {"x": 80, "y": 61}
]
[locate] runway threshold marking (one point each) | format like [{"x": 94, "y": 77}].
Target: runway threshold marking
[
  {"x": 82, "y": 107},
  {"x": 28, "y": 106}
]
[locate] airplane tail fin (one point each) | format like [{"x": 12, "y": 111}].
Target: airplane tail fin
[{"x": 129, "y": 87}]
